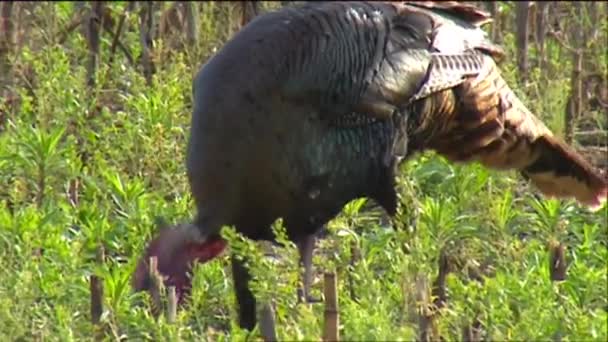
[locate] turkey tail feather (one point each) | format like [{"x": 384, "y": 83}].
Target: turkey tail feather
[
  {"x": 491, "y": 125},
  {"x": 561, "y": 172}
]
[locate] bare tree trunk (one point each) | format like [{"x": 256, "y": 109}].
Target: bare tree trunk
[
  {"x": 541, "y": 14},
  {"x": 7, "y": 46},
  {"x": 147, "y": 38},
  {"x": 593, "y": 12},
  {"x": 575, "y": 106},
  {"x": 92, "y": 29},
  {"x": 532, "y": 14},
  {"x": 250, "y": 10},
  {"x": 522, "y": 13},
  {"x": 172, "y": 25},
  {"x": 19, "y": 24},
  {"x": 191, "y": 22},
  {"x": 554, "y": 17},
  {"x": 505, "y": 21},
  {"x": 496, "y": 27},
  {"x": 7, "y": 42},
  {"x": 591, "y": 35}
]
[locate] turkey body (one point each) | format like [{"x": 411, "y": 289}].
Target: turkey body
[
  {"x": 293, "y": 119},
  {"x": 310, "y": 107},
  {"x": 286, "y": 142}
]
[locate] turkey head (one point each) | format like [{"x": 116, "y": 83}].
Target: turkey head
[{"x": 176, "y": 250}]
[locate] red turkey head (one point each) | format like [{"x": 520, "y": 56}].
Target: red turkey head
[{"x": 176, "y": 250}]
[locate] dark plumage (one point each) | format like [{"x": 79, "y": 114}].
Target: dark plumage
[{"x": 310, "y": 107}]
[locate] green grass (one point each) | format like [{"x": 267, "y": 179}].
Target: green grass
[{"x": 126, "y": 153}]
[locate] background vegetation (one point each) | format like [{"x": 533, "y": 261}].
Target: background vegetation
[{"x": 94, "y": 114}]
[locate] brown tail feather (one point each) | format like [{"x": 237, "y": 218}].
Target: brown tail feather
[
  {"x": 561, "y": 172},
  {"x": 491, "y": 125}
]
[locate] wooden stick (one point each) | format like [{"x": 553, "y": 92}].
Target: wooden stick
[
  {"x": 426, "y": 318},
  {"x": 332, "y": 315},
  {"x": 558, "y": 267},
  {"x": 355, "y": 256},
  {"x": 172, "y": 305},
  {"x": 156, "y": 287},
  {"x": 96, "y": 288},
  {"x": 267, "y": 326},
  {"x": 471, "y": 332}
]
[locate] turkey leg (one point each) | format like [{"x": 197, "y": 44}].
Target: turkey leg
[
  {"x": 306, "y": 248},
  {"x": 246, "y": 301},
  {"x": 244, "y": 296}
]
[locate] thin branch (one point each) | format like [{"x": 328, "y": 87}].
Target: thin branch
[
  {"x": 121, "y": 46},
  {"x": 73, "y": 25},
  {"x": 115, "y": 40},
  {"x": 146, "y": 37},
  {"x": 601, "y": 102},
  {"x": 558, "y": 37}
]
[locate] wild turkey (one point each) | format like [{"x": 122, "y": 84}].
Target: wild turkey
[{"x": 309, "y": 107}]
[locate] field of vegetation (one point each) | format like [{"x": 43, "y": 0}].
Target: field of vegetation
[{"x": 94, "y": 120}]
